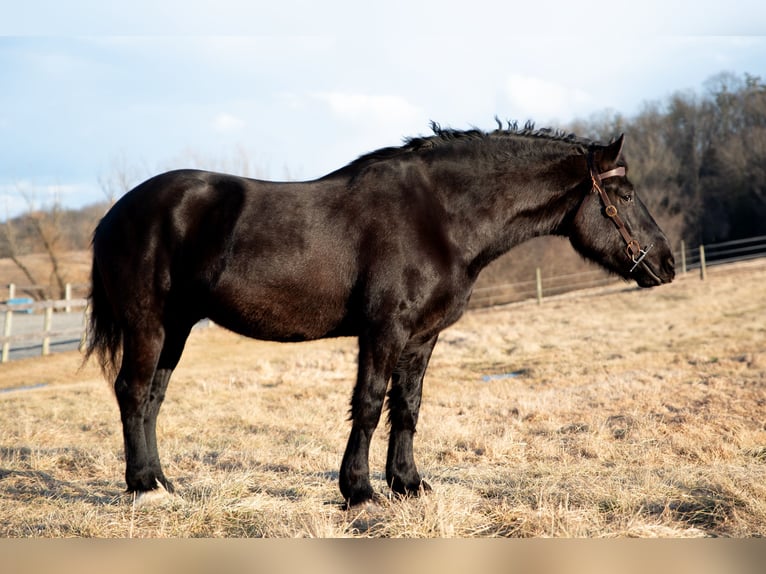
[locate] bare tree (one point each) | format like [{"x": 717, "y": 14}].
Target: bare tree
[
  {"x": 121, "y": 178},
  {"x": 37, "y": 231},
  {"x": 13, "y": 251},
  {"x": 47, "y": 225}
]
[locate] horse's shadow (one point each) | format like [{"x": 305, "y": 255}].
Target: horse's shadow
[
  {"x": 20, "y": 481},
  {"x": 23, "y": 482}
]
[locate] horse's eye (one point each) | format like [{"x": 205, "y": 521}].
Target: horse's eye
[{"x": 627, "y": 198}]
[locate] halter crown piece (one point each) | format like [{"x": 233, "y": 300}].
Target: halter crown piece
[{"x": 633, "y": 249}]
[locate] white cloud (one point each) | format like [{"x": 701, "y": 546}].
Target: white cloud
[
  {"x": 226, "y": 123},
  {"x": 538, "y": 99},
  {"x": 377, "y": 108}
]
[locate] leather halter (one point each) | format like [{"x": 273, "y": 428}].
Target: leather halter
[{"x": 633, "y": 249}]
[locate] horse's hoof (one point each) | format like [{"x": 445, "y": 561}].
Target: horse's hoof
[
  {"x": 155, "y": 497},
  {"x": 367, "y": 501},
  {"x": 418, "y": 488}
]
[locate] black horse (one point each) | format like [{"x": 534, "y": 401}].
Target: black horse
[{"x": 386, "y": 249}]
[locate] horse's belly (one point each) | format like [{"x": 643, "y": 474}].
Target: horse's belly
[{"x": 280, "y": 313}]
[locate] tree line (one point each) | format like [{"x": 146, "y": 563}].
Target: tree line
[{"x": 698, "y": 159}]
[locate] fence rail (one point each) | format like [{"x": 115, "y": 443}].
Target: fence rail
[
  {"x": 726, "y": 252},
  {"x": 45, "y": 332},
  {"x": 537, "y": 286}
]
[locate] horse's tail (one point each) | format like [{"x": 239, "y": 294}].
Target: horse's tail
[{"x": 104, "y": 331}]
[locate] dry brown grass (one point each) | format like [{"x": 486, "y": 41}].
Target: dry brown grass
[
  {"x": 634, "y": 413},
  {"x": 75, "y": 269}
]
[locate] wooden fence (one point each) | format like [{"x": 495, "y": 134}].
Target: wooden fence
[
  {"x": 538, "y": 287},
  {"x": 43, "y": 309}
]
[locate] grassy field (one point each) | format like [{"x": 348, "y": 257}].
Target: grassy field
[{"x": 617, "y": 412}]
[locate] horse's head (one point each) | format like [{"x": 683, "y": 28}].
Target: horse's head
[{"x": 613, "y": 227}]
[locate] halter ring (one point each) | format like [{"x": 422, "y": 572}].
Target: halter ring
[{"x": 641, "y": 254}]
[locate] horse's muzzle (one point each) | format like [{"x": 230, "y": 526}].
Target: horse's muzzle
[{"x": 652, "y": 276}]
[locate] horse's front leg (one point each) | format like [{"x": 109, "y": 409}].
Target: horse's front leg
[
  {"x": 403, "y": 408},
  {"x": 377, "y": 357}
]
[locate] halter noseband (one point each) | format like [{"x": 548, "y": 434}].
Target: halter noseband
[{"x": 633, "y": 249}]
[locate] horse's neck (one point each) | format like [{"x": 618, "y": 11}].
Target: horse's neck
[{"x": 492, "y": 213}]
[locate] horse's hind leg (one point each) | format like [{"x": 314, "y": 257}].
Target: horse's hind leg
[
  {"x": 175, "y": 339},
  {"x": 403, "y": 408},
  {"x": 141, "y": 352}
]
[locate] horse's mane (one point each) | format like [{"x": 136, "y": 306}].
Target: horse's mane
[
  {"x": 528, "y": 130},
  {"x": 448, "y": 138}
]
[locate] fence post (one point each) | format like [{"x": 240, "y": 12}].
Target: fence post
[
  {"x": 11, "y": 290},
  {"x": 68, "y": 297},
  {"x": 84, "y": 335},
  {"x": 683, "y": 257},
  {"x": 703, "y": 269},
  {"x": 7, "y": 334},
  {"x": 539, "y": 281},
  {"x": 47, "y": 329}
]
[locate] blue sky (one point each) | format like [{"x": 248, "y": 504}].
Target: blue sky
[{"x": 304, "y": 87}]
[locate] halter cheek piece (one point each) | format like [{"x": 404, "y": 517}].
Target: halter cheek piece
[{"x": 633, "y": 249}]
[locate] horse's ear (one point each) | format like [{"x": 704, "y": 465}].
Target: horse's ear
[{"x": 613, "y": 150}]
